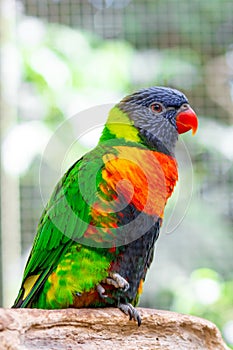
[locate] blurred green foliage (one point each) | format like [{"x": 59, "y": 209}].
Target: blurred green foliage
[
  {"x": 180, "y": 22},
  {"x": 204, "y": 294},
  {"x": 63, "y": 67}
]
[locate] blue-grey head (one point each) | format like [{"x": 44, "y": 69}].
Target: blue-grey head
[{"x": 160, "y": 114}]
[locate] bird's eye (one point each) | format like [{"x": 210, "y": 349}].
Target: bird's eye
[{"x": 156, "y": 107}]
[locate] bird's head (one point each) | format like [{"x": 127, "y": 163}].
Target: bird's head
[{"x": 159, "y": 114}]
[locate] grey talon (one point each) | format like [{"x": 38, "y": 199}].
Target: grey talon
[
  {"x": 100, "y": 289},
  {"x": 117, "y": 281},
  {"x": 129, "y": 310}
]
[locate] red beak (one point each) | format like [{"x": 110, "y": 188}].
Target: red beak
[{"x": 186, "y": 120}]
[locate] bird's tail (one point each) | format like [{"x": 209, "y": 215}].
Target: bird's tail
[{"x": 30, "y": 289}]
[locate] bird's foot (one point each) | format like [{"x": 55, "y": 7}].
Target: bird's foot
[
  {"x": 100, "y": 289},
  {"x": 117, "y": 281},
  {"x": 129, "y": 310}
]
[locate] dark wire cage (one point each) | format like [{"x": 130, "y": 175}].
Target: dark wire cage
[
  {"x": 197, "y": 31},
  {"x": 206, "y": 28},
  {"x": 186, "y": 45}
]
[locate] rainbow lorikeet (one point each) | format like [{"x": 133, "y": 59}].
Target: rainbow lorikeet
[{"x": 95, "y": 240}]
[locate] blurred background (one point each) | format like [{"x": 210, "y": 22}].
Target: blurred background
[{"x": 59, "y": 57}]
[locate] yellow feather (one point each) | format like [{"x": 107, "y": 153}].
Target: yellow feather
[
  {"x": 28, "y": 284},
  {"x": 120, "y": 125}
]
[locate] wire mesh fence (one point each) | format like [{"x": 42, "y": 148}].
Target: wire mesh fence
[
  {"x": 182, "y": 34},
  {"x": 108, "y": 48},
  {"x": 199, "y": 26}
]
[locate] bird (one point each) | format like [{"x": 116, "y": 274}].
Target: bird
[{"x": 96, "y": 236}]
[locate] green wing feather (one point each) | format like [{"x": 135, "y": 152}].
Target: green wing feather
[
  {"x": 65, "y": 220},
  {"x": 58, "y": 227}
]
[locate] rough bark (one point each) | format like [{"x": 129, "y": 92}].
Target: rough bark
[{"x": 23, "y": 329}]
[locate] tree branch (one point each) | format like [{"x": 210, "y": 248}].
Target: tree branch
[{"x": 23, "y": 329}]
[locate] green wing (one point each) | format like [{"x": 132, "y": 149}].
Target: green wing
[{"x": 64, "y": 219}]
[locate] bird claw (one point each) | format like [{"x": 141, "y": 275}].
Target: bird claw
[
  {"x": 113, "y": 279},
  {"x": 100, "y": 289},
  {"x": 129, "y": 310},
  {"x": 117, "y": 281}
]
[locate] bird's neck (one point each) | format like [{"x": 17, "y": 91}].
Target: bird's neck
[
  {"x": 163, "y": 138},
  {"x": 119, "y": 126}
]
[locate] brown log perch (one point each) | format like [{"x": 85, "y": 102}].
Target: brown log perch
[{"x": 23, "y": 329}]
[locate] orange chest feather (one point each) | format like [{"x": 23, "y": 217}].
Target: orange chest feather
[{"x": 145, "y": 178}]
